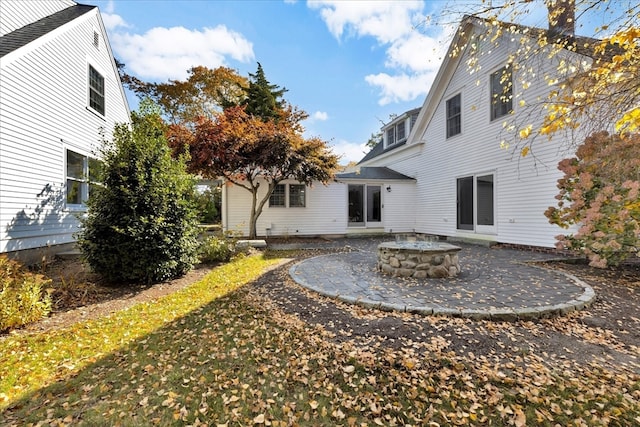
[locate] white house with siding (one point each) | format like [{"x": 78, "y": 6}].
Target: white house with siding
[
  {"x": 60, "y": 95},
  {"x": 442, "y": 170}
]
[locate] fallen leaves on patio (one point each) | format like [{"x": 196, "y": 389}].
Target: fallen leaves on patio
[{"x": 239, "y": 359}]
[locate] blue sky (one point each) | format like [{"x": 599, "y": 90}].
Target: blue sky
[{"x": 348, "y": 64}]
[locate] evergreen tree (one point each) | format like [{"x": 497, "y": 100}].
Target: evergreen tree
[{"x": 264, "y": 100}]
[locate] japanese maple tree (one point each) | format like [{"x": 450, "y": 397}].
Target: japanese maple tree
[{"x": 258, "y": 142}]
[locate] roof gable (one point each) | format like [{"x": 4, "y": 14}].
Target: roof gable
[
  {"x": 31, "y": 32},
  {"x": 577, "y": 44}
]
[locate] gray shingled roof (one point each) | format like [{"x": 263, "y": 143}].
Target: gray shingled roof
[
  {"x": 379, "y": 149},
  {"x": 25, "y": 35},
  {"x": 374, "y": 173}
]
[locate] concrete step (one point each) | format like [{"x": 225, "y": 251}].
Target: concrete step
[{"x": 67, "y": 255}]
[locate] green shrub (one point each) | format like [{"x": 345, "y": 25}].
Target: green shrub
[
  {"x": 22, "y": 296},
  {"x": 141, "y": 226},
  {"x": 216, "y": 249}
]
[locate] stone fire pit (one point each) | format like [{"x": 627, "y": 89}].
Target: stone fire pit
[{"x": 418, "y": 259}]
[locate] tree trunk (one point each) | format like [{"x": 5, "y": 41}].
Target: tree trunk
[{"x": 253, "y": 218}]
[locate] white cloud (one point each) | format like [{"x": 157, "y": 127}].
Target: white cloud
[
  {"x": 319, "y": 116},
  {"x": 349, "y": 151},
  {"x": 416, "y": 52},
  {"x": 113, "y": 21},
  {"x": 412, "y": 58},
  {"x": 167, "y": 53},
  {"x": 401, "y": 87},
  {"x": 384, "y": 20}
]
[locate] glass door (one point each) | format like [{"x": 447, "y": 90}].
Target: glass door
[
  {"x": 365, "y": 205},
  {"x": 476, "y": 204}
]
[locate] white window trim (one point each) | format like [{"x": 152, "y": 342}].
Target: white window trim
[
  {"x": 513, "y": 90},
  {"x": 287, "y": 195},
  {"x": 480, "y": 229},
  {"x": 446, "y": 115},
  {"x": 88, "y": 89},
  {"x": 84, "y": 183}
]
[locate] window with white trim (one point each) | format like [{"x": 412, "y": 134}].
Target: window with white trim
[
  {"x": 400, "y": 132},
  {"x": 83, "y": 174},
  {"x": 391, "y": 136},
  {"x": 297, "y": 194},
  {"x": 454, "y": 116},
  {"x": 501, "y": 93},
  {"x": 96, "y": 91},
  {"x": 278, "y": 197}
]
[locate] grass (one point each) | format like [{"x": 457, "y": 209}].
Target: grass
[{"x": 217, "y": 354}]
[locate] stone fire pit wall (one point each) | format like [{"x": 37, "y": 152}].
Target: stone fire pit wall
[{"x": 418, "y": 259}]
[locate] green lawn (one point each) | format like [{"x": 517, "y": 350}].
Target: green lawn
[{"x": 217, "y": 354}]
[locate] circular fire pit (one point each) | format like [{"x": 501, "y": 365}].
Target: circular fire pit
[{"x": 418, "y": 259}]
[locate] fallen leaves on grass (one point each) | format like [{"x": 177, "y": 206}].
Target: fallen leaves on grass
[{"x": 241, "y": 359}]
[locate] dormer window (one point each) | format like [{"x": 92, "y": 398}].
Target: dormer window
[
  {"x": 396, "y": 134},
  {"x": 391, "y": 136},
  {"x": 400, "y": 132}
]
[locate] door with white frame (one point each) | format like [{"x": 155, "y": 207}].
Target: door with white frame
[
  {"x": 475, "y": 203},
  {"x": 365, "y": 205}
]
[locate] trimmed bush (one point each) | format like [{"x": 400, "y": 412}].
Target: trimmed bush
[
  {"x": 22, "y": 295},
  {"x": 216, "y": 249},
  {"x": 141, "y": 226}
]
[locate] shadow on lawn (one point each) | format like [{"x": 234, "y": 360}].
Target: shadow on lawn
[{"x": 207, "y": 364}]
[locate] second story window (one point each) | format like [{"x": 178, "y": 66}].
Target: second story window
[
  {"x": 400, "y": 132},
  {"x": 391, "y": 136},
  {"x": 454, "y": 116},
  {"x": 501, "y": 93},
  {"x": 96, "y": 91}
]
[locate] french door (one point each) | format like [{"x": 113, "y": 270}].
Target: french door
[
  {"x": 365, "y": 205},
  {"x": 476, "y": 204}
]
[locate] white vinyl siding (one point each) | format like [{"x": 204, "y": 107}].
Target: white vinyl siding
[
  {"x": 524, "y": 187},
  {"x": 323, "y": 214},
  {"x": 43, "y": 111}
]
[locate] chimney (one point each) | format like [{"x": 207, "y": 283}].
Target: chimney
[{"x": 562, "y": 17}]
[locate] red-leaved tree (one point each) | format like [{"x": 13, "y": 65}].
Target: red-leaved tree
[{"x": 249, "y": 151}]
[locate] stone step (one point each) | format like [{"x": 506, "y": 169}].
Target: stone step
[{"x": 69, "y": 255}]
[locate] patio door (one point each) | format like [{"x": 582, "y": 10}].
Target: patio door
[
  {"x": 476, "y": 204},
  {"x": 365, "y": 205}
]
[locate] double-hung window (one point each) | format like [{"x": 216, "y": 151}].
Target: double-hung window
[
  {"x": 296, "y": 195},
  {"x": 96, "y": 91},
  {"x": 501, "y": 93},
  {"x": 454, "y": 116},
  {"x": 277, "y": 198},
  {"x": 83, "y": 173},
  {"x": 391, "y": 136},
  {"x": 400, "y": 132}
]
